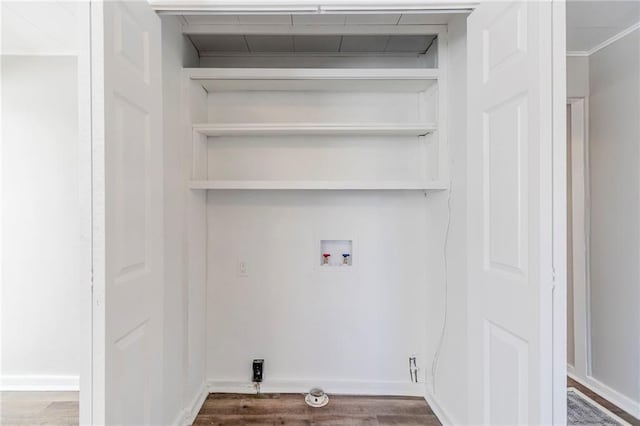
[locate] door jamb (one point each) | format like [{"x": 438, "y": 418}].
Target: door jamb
[
  {"x": 559, "y": 212},
  {"x": 581, "y": 297}
]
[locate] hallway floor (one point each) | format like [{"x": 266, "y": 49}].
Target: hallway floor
[
  {"x": 290, "y": 409},
  {"x": 606, "y": 404},
  {"x": 39, "y": 408}
]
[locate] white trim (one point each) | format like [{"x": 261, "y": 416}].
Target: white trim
[
  {"x": 308, "y": 129},
  {"x": 440, "y": 413},
  {"x": 336, "y": 387},
  {"x": 65, "y": 52},
  {"x": 311, "y": 6},
  {"x": 607, "y": 42},
  {"x": 179, "y": 419},
  {"x": 267, "y": 29},
  {"x": 621, "y": 401},
  {"x": 27, "y": 382},
  {"x": 558, "y": 308},
  {"x": 580, "y": 213},
  {"x": 600, "y": 407},
  {"x": 85, "y": 144},
  {"x": 191, "y": 412},
  {"x": 319, "y": 185}
]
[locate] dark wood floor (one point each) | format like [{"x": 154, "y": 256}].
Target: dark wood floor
[
  {"x": 290, "y": 409},
  {"x": 606, "y": 404}
]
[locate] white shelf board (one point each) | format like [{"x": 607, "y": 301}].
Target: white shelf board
[
  {"x": 315, "y": 185},
  {"x": 314, "y": 79},
  {"x": 285, "y": 129}
]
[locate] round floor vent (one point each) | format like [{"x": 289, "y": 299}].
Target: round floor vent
[{"x": 316, "y": 398}]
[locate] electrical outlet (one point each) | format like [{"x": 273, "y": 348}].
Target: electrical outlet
[
  {"x": 258, "y": 365},
  {"x": 243, "y": 268},
  {"x": 413, "y": 368}
]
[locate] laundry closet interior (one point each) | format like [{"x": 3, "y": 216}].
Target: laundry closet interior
[{"x": 316, "y": 155}]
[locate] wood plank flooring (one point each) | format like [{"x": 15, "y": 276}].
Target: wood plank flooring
[
  {"x": 290, "y": 409},
  {"x": 606, "y": 404},
  {"x": 39, "y": 408}
]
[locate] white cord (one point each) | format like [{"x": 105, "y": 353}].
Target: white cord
[{"x": 436, "y": 356}]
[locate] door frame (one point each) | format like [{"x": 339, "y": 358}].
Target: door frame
[
  {"x": 559, "y": 214},
  {"x": 580, "y": 202},
  {"x": 85, "y": 197},
  {"x": 557, "y": 311}
]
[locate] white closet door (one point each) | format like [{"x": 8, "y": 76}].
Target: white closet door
[
  {"x": 510, "y": 213},
  {"x": 127, "y": 144}
]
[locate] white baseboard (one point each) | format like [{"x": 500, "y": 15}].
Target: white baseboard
[
  {"x": 622, "y": 401},
  {"x": 39, "y": 383},
  {"x": 191, "y": 412},
  {"x": 336, "y": 387},
  {"x": 437, "y": 409}
]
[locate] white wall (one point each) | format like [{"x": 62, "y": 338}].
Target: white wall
[
  {"x": 41, "y": 246},
  {"x": 349, "y": 330},
  {"x": 577, "y": 76},
  {"x": 450, "y": 373},
  {"x": 177, "y": 52},
  {"x": 614, "y": 139}
]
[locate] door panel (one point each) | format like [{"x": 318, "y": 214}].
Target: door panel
[
  {"x": 510, "y": 206},
  {"x": 129, "y": 56}
]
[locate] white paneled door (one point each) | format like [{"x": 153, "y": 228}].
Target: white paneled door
[
  {"x": 510, "y": 213},
  {"x": 127, "y": 144}
]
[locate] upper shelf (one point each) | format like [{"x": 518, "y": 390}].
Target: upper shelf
[
  {"x": 293, "y": 129},
  {"x": 314, "y": 79},
  {"x": 317, "y": 185}
]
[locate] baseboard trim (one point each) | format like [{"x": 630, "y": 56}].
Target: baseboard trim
[
  {"x": 30, "y": 382},
  {"x": 627, "y": 404},
  {"x": 336, "y": 387},
  {"x": 191, "y": 412},
  {"x": 437, "y": 409}
]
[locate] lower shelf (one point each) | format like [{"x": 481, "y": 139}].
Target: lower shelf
[{"x": 316, "y": 185}]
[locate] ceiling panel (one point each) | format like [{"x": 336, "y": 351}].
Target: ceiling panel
[
  {"x": 373, "y": 19},
  {"x": 270, "y": 43},
  {"x": 426, "y": 18},
  {"x": 323, "y": 19},
  {"x": 316, "y": 43},
  {"x": 326, "y": 19},
  {"x": 409, "y": 43},
  {"x": 220, "y": 43},
  {"x": 311, "y": 44},
  {"x": 364, "y": 43},
  {"x": 265, "y": 19},
  {"x": 212, "y": 19}
]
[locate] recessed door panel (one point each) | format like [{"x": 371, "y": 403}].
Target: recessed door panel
[
  {"x": 504, "y": 39},
  {"x": 505, "y": 377},
  {"x": 505, "y": 196}
]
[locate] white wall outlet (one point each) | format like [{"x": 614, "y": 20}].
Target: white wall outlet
[{"x": 243, "y": 268}]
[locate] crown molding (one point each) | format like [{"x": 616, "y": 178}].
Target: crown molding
[
  {"x": 605, "y": 43},
  {"x": 577, "y": 53}
]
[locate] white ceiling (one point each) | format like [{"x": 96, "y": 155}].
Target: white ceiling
[
  {"x": 311, "y": 43},
  {"x": 323, "y": 19},
  {"x": 334, "y": 42},
  {"x": 590, "y": 23}
]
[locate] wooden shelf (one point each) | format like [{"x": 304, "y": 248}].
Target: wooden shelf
[
  {"x": 315, "y": 185},
  {"x": 314, "y": 79},
  {"x": 292, "y": 129}
]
